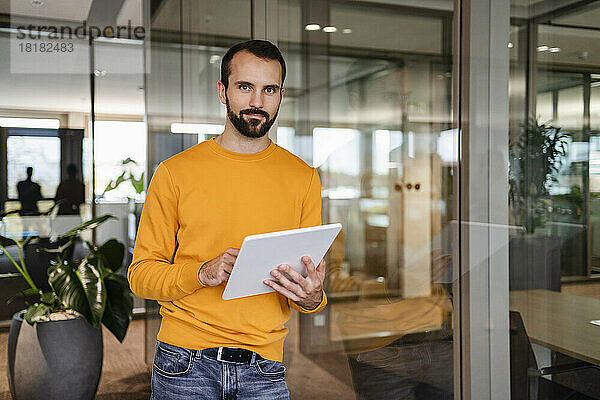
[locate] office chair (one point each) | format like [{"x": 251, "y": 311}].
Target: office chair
[{"x": 527, "y": 379}]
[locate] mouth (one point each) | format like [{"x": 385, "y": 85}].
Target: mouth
[{"x": 255, "y": 115}]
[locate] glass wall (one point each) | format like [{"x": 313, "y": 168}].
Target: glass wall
[
  {"x": 554, "y": 198},
  {"x": 182, "y": 69},
  {"x": 49, "y": 99},
  {"x": 371, "y": 109}
]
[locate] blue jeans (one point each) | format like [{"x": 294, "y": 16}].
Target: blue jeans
[{"x": 180, "y": 373}]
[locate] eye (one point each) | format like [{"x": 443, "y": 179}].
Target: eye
[
  {"x": 244, "y": 87},
  {"x": 270, "y": 90}
]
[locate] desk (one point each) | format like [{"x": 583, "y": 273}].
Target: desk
[{"x": 560, "y": 322}]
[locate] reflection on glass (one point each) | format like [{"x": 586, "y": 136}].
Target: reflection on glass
[
  {"x": 40, "y": 153},
  {"x": 553, "y": 294},
  {"x": 109, "y": 159},
  {"x": 373, "y": 116}
]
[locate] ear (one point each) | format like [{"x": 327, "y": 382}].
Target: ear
[
  {"x": 221, "y": 92},
  {"x": 282, "y": 91}
]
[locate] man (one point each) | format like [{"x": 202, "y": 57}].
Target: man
[
  {"x": 70, "y": 193},
  {"x": 200, "y": 205},
  {"x": 29, "y": 194}
]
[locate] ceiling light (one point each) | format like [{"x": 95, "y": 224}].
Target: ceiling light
[
  {"x": 312, "y": 27},
  {"x": 554, "y": 49},
  {"x": 510, "y": 45},
  {"x": 100, "y": 72},
  {"x": 37, "y": 3},
  {"x": 49, "y": 123},
  {"x": 347, "y": 30},
  {"x": 206, "y": 129},
  {"x": 329, "y": 29},
  {"x": 543, "y": 48}
]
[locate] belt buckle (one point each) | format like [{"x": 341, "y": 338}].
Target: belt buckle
[{"x": 219, "y": 354}]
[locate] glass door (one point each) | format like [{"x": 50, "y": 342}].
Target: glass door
[{"x": 371, "y": 110}]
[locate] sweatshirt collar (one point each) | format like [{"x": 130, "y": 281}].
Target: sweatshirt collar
[{"x": 242, "y": 156}]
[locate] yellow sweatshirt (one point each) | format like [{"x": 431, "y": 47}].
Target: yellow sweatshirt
[{"x": 200, "y": 202}]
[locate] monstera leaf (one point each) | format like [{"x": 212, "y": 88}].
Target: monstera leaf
[
  {"x": 81, "y": 289},
  {"x": 119, "y": 305},
  {"x": 111, "y": 254}
]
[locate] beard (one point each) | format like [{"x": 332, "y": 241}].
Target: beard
[{"x": 253, "y": 128}]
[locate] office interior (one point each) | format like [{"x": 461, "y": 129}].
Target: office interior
[{"x": 457, "y": 142}]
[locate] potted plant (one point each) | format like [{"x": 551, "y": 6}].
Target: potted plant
[
  {"x": 127, "y": 176},
  {"x": 57, "y": 353},
  {"x": 134, "y": 209},
  {"x": 535, "y": 160}
]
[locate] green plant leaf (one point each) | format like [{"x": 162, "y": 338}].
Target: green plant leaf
[
  {"x": 112, "y": 185},
  {"x": 128, "y": 160},
  {"x": 81, "y": 289},
  {"x": 6, "y": 242},
  {"x": 23, "y": 293},
  {"x": 34, "y": 311},
  {"x": 60, "y": 249},
  {"x": 91, "y": 224},
  {"x": 138, "y": 184},
  {"x": 48, "y": 298},
  {"x": 30, "y": 240},
  {"x": 119, "y": 305},
  {"x": 112, "y": 253}
]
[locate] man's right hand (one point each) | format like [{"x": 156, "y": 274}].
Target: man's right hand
[{"x": 217, "y": 270}]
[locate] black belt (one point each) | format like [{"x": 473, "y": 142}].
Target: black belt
[{"x": 231, "y": 354}]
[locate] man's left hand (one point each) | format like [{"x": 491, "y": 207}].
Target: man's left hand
[{"x": 306, "y": 292}]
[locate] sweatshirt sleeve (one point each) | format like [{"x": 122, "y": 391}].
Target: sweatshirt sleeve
[
  {"x": 152, "y": 273},
  {"x": 311, "y": 216}
]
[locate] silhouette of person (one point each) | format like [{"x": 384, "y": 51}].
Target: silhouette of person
[
  {"x": 29, "y": 194},
  {"x": 70, "y": 193}
]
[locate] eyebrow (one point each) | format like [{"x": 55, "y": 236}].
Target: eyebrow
[{"x": 274, "y": 86}]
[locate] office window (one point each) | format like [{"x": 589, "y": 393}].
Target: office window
[
  {"x": 41, "y": 153},
  {"x": 114, "y": 142}
]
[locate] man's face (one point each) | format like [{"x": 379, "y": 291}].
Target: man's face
[{"x": 254, "y": 94}]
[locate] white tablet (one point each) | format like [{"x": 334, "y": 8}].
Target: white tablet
[{"x": 260, "y": 254}]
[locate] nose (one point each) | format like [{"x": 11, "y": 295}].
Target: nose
[{"x": 256, "y": 100}]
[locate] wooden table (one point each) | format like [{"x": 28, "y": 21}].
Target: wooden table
[{"x": 560, "y": 322}]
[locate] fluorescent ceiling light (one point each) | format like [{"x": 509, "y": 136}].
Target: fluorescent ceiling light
[
  {"x": 543, "y": 48},
  {"x": 554, "y": 49},
  {"x": 347, "y": 30},
  {"x": 30, "y": 123},
  {"x": 510, "y": 45},
  {"x": 205, "y": 129},
  {"x": 312, "y": 27},
  {"x": 329, "y": 29}
]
